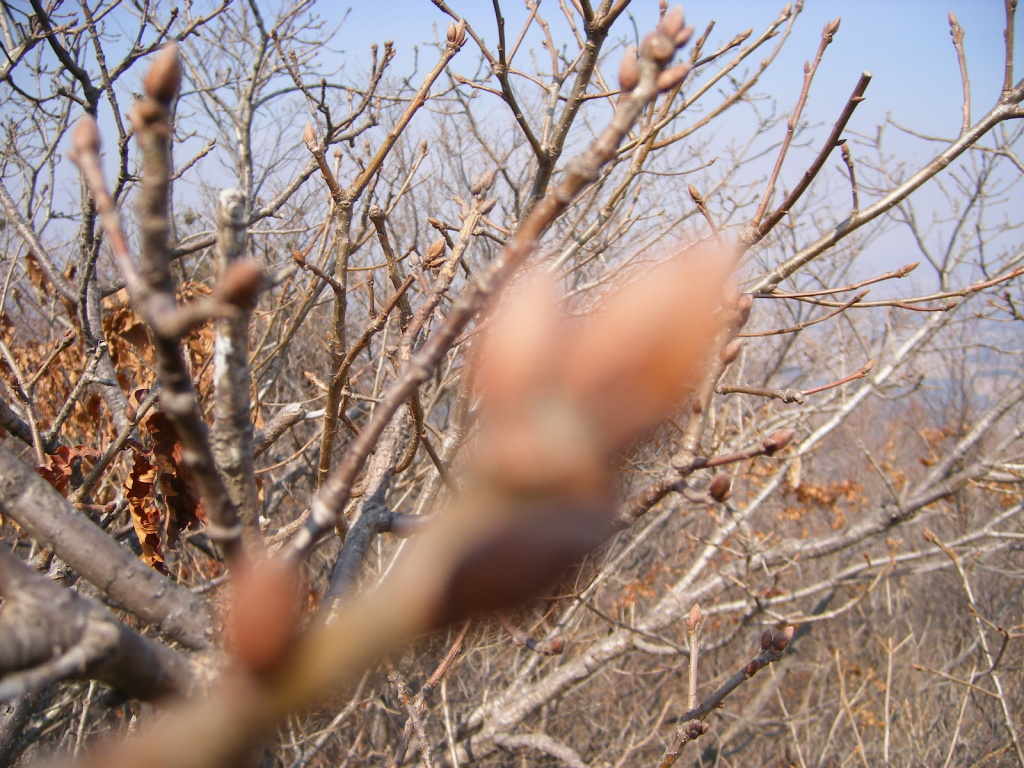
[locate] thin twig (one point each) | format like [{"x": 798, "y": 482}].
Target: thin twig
[
  {"x": 692, "y": 726},
  {"x": 957, "y": 33},
  {"x": 827, "y": 35}
]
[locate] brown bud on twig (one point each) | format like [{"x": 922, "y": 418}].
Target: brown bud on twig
[
  {"x": 694, "y": 619},
  {"x": 457, "y": 34},
  {"x": 830, "y": 29},
  {"x": 751, "y": 669},
  {"x": 720, "y": 488},
  {"x": 241, "y": 283},
  {"x": 482, "y": 183},
  {"x": 696, "y": 196},
  {"x": 955, "y": 29},
  {"x": 672, "y": 25},
  {"x": 672, "y": 21},
  {"x": 310, "y": 139},
  {"x": 629, "y": 70},
  {"x": 556, "y": 645},
  {"x": 743, "y": 306},
  {"x": 783, "y": 638},
  {"x": 731, "y": 351},
  {"x": 164, "y": 78},
  {"x": 766, "y": 640},
  {"x": 672, "y": 77},
  {"x": 659, "y": 48},
  {"x": 777, "y": 441},
  {"x": 435, "y": 253}
]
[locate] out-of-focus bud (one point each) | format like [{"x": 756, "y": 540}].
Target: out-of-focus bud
[
  {"x": 86, "y": 136},
  {"x": 262, "y": 622},
  {"x": 652, "y": 337},
  {"x": 673, "y": 26},
  {"x": 241, "y": 283},
  {"x": 731, "y": 351},
  {"x": 164, "y": 78},
  {"x": 310, "y": 139},
  {"x": 766, "y": 640},
  {"x": 672, "y": 77},
  {"x": 658, "y": 48},
  {"x": 777, "y": 441},
  {"x": 743, "y": 306},
  {"x": 720, "y": 488},
  {"x": 487, "y": 206},
  {"x": 523, "y": 347},
  {"x": 629, "y": 70},
  {"x": 556, "y": 645}
]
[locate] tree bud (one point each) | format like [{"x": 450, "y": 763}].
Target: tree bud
[
  {"x": 743, "y": 306},
  {"x": 310, "y": 139},
  {"x": 694, "y": 619},
  {"x": 434, "y": 253},
  {"x": 629, "y": 71},
  {"x": 457, "y": 34},
  {"x": 482, "y": 183},
  {"x": 731, "y": 351},
  {"x": 720, "y": 488},
  {"x": 830, "y": 29},
  {"x": 783, "y": 638},
  {"x": 262, "y": 622},
  {"x": 672, "y": 26},
  {"x": 658, "y": 48},
  {"x": 672, "y": 77},
  {"x": 164, "y": 78},
  {"x": 777, "y": 441}
]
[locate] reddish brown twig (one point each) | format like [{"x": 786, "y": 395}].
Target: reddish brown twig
[
  {"x": 692, "y": 725},
  {"x": 896, "y": 273},
  {"x": 827, "y": 34},
  {"x": 807, "y": 323}
]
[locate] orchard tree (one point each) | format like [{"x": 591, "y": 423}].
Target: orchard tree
[{"x": 503, "y": 409}]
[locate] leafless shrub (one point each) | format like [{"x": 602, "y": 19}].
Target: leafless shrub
[{"x": 439, "y": 439}]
